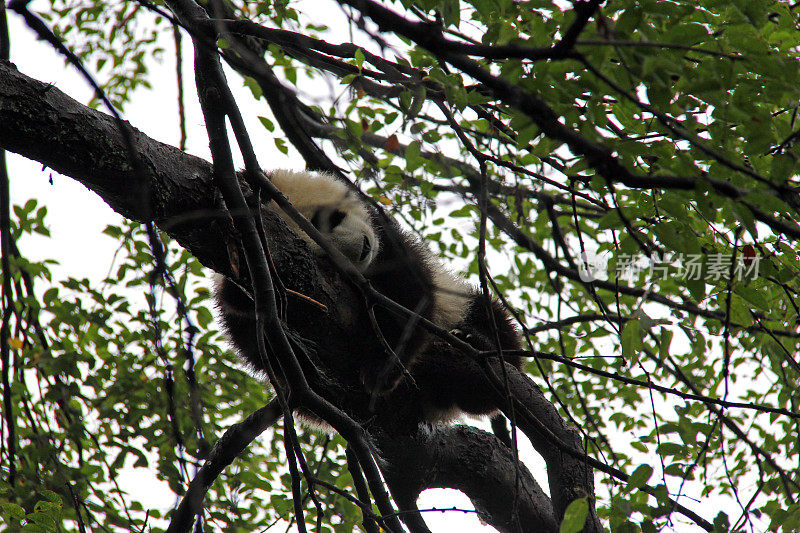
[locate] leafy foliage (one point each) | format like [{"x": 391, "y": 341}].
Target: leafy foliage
[{"x": 113, "y": 39}]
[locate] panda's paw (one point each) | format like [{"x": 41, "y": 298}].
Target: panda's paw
[
  {"x": 460, "y": 334},
  {"x": 474, "y": 339}
]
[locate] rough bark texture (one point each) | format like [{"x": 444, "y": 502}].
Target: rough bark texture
[
  {"x": 465, "y": 458},
  {"x": 175, "y": 191}
]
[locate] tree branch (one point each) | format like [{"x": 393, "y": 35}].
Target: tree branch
[
  {"x": 40, "y": 122},
  {"x": 474, "y": 462}
]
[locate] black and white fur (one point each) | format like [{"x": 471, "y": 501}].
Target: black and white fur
[{"x": 403, "y": 269}]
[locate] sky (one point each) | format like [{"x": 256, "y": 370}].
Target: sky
[{"x": 76, "y": 217}]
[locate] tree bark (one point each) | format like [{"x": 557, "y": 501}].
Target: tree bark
[
  {"x": 175, "y": 189},
  {"x": 475, "y": 462}
]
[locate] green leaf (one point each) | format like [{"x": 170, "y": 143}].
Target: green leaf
[
  {"x": 254, "y": 87},
  {"x": 677, "y": 237},
  {"x": 12, "y": 510},
  {"x": 358, "y": 57},
  {"x": 267, "y": 123},
  {"x": 639, "y": 477},
  {"x": 451, "y": 12},
  {"x": 631, "y": 340},
  {"x": 781, "y": 167},
  {"x": 412, "y": 156},
  {"x": 575, "y": 516}
]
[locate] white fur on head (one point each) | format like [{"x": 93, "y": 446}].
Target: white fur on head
[
  {"x": 318, "y": 196},
  {"x": 323, "y": 199}
]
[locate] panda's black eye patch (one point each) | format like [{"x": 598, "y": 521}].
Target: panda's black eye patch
[
  {"x": 336, "y": 218},
  {"x": 326, "y": 220}
]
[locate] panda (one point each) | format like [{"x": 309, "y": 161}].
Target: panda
[{"x": 430, "y": 373}]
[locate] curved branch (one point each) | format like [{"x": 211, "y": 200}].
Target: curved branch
[
  {"x": 569, "y": 472},
  {"x": 568, "y": 467},
  {"x": 474, "y": 462}
]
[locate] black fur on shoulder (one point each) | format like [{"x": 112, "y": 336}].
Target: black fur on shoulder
[{"x": 400, "y": 272}]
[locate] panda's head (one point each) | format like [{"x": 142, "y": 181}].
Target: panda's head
[
  {"x": 349, "y": 230},
  {"x": 334, "y": 210}
]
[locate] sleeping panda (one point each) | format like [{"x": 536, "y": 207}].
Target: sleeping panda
[{"x": 419, "y": 368}]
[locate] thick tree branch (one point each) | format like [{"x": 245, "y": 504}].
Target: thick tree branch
[
  {"x": 40, "y": 122},
  {"x": 474, "y": 462},
  {"x": 569, "y": 470}
]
